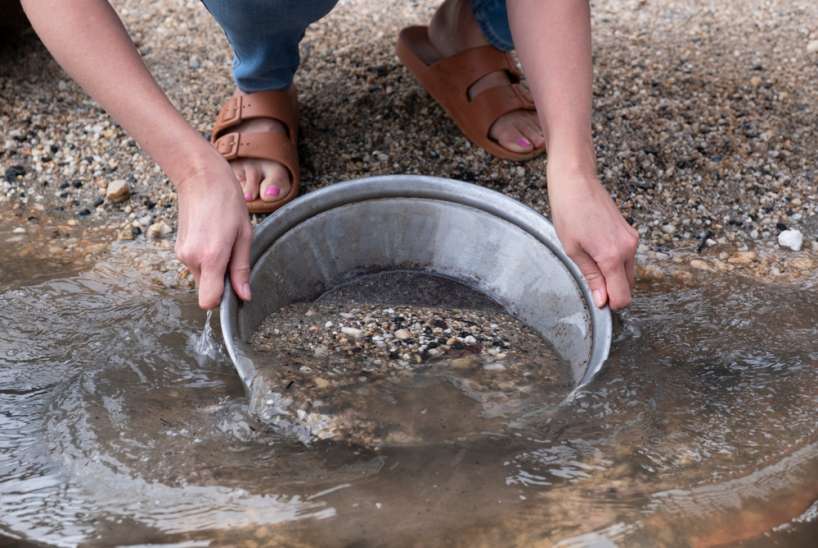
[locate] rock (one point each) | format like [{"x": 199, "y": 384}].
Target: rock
[
  {"x": 352, "y": 332},
  {"x": 320, "y": 382},
  {"x": 812, "y": 46},
  {"x": 19, "y": 230},
  {"x": 699, "y": 264},
  {"x": 117, "y": 191},
  {"x": 13, "y": 172},
  {"x": 802, "y": 263},
  {"x": 403, "y": 334},
  {"x": 648, "y": 272},
  {"x": 464, "y": 362},
  {"x": 669, "y": 229},
  {"x": 683, "y": 276},
  {"x": 755, "y": 81},
  {"x": 721, "y": 266},
  {"x": 125, "y": 234},
  {"x": 791, "y": 239},
  {"x": 159, "y": 230},
  {"x": 743, "y": 257}
]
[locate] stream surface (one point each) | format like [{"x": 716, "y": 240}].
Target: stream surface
[{"x": 702, "y": 429}]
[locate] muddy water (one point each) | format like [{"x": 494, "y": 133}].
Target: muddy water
[
  {"x": 401, "y": 358},
  {"x": 703, "y": 429}
]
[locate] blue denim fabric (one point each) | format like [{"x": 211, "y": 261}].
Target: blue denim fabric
[
  {"x": 492, "y": 17},
  {"x": 265, "y": 34}
]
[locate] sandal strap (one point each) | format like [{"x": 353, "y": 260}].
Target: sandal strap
[
  {"x": 470, "y": 65},
  {"x": 492, "y": 104},
  {"x": 269, "y": 145},
  {"x": 278, "y": 105}
]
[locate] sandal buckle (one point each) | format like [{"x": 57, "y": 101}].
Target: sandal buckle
[
  {"x": 231, "y": 112},
  {"x": 228, "y": 146}
]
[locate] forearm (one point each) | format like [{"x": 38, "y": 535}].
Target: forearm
[
  {"x": 553, "y": 41},
  {"x": 87, "y": 38}
]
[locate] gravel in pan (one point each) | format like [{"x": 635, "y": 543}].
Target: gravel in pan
[{"x": 338, "y": 370}]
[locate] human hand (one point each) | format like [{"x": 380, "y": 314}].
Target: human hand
[
  {"x": 594, "y": 234},
  {"x": 214, "y": 231}
]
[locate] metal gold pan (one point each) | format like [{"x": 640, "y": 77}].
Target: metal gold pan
[{"x": 474, "y": 235}]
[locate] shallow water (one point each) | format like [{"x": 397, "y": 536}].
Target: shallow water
[
  {"x": 702, "y": 429},
  {"x": 401, "y": 358}
]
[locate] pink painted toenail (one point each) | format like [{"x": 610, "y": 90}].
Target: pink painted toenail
[
  {"x": 523, "y": 142},
  {"x": 247, "y": 196},
  {"x": 272, "y": 191}
]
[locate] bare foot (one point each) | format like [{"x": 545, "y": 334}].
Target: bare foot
[
  {"x": 260, "y": 178},
  {"x": 454, "y": 29}
]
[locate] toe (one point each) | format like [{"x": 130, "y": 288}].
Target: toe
[
  {"x": 505, "y": 132},
  {"x": 241, "y": 177},
  {"x": 252, "y": 179},
  {"x": 276, "y": 183},
  {"x": 530, "y": 129}
]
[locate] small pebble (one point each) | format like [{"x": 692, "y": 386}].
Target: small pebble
[
  {"x": 743, "y": 257},
  {"x": 352, "y": 332},
  {"x": 699, "y": 264},
  {"x": 791, "y": 239},
  {"x": 159, "y": 230}
]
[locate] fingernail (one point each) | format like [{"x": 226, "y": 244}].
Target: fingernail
[
  {"x": 245, "y": 289},
  {"x": 272, "y": 191},
  {"x": 247, "y": 196},
  {"x": 523, "y": 142},
  {"x": 599, "y": 298}
]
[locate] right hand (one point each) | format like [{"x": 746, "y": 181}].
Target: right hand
[
  {"x": 595, "y": 235},
  {"x": 214, "y": 233}
]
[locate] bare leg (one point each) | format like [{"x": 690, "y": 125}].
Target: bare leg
[{"x": 454, "y": 29}]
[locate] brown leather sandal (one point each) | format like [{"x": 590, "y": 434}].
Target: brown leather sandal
[
  {"x": 448, "y": 80},
  {"x": 275, "y": 146}
]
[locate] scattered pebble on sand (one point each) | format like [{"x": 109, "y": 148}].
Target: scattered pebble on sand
[
  {"x": 791, "y": 239},
  {"x": 705, "y": 120},
  {"x": 117, "y": 191}
]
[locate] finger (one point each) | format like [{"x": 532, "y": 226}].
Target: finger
[
  {"x": 593, "y": 276},
  {"x": 196, "y": 272},
  {"x": 211, "y": 283},
  {"x": 630, "y": 271},
  {"x": 240, "y": 263},
  {"x": 189, "y": 261},
  {"x": 616, "y": 283}
]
